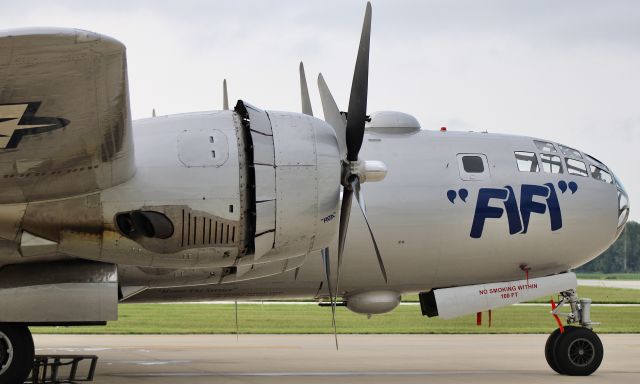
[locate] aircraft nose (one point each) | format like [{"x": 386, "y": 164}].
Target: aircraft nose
[{"x": 623, "y": 205}]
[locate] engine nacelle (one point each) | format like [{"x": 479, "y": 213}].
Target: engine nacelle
[
  {"x": 296, "y": 168},
  {"x": 373, "y": 302},
  {"x": 229, "y": 191}
]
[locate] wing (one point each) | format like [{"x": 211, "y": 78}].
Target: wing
[{"x": 65, "y": 124}]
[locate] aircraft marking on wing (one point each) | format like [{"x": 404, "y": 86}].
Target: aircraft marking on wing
[
  {"x": 18, "y": 120},
  {"x": 518, "y": 213}
]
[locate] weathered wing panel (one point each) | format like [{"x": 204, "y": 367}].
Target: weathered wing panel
[{"x": 65, "y": 125}]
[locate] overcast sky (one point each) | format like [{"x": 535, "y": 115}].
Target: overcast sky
[{"x": 568, "y": 71}]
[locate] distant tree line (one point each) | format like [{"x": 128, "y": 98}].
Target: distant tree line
[{"x": 622, "y": 256}]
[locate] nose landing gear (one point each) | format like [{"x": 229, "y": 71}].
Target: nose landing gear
[{"x": 574, "y": 350}]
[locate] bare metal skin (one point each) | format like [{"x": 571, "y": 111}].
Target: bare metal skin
[{"x": 245, "y": 203}]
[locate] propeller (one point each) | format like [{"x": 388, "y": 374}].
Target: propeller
[
  {"x": 350, "y": 135},
  {"x": 333, "y": 116},
  {"x": 225, "y": 96},
  {"x": 326, "y": 261},
  {"x": 357, "y": 112},
  {"x": 327, "y": 271},
  {"x": 304, "y": 93}
]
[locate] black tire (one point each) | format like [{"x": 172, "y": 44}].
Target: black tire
[
  {"x": 578, "y": 352},
  {"x": 16, "y": 353},
  {"x": 549, "y": 349}
]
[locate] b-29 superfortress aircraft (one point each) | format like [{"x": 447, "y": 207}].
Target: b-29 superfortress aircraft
[{"x": 247, "y": 203}]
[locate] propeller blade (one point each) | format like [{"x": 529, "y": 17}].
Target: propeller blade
[
  {"x": 327, "y": 272},
  {"x": 345, "y": 212},
  {"x": 357, "y": 112},
  {"x": 225, "y": 96},
  {"x": 355, "y": 185},
  {"x": 304, "y": 93},
  {"x": 332, "y": 115}
]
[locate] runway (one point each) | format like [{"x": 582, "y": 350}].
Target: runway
[
  {"x": 626, "y": 284},
  {"x": 366, "y": 359}
]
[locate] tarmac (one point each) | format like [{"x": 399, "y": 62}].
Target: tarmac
[
  {"x": 366, "y": 359},
  {"x": 626, "y": 284}
]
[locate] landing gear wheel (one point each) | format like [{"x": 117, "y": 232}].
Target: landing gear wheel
[
  {"x": 578, "y": 352},
  {"x": 549, "y": 348},
  {"x": 16, "y": 353}
]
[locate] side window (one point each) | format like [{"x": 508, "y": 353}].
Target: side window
[
  {"x": 527, "y": 162},
  {"x": 545, "y": 146},
  {"x": 551, "y": 163},
  {"x": 600, "y": 174},
  {"x": 567, "y": 151},
  {"x": 473, "y": 166},
  {"x": 576, "y": 167}
]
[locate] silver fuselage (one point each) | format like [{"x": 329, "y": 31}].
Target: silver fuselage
[{"x": 424, "y": 237}]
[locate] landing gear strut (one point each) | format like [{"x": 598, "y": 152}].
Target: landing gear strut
[
  {"x": 574, "y": 350},
  {"x": 16, "y": 353}
]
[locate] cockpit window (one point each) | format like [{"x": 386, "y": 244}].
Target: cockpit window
[
  {"x": 544, "y": 146},
  {"x": 576, "y": 167},
  {"x": 567, "y": 151},
  {"x": 527, "y": 162},
  {"x": 551, "y": 163},
  {"x": 600, "y": 174},
  {"x": 472, "y": 164},
  {"x": 595, "y": 161}
]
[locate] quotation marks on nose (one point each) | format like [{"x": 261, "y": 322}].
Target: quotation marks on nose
[
  {"x": 573, "y": 187},
  {"x": 463, "y": 193}
]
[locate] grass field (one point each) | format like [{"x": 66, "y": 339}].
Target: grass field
[
  {"x": 303, "y": 319},
  {"x": 300, "y": 319},
  {"x": 597, "y": 294},
  {"x": 609, "y": 276}
]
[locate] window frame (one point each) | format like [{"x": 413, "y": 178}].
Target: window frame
[
  {"x": 570, "y": 153},
  {"x": 545, "y": 144},
  {"x": 586, "y": 168},
  {"x": 535, "y": 156},
  {"x": 601, "y": 169},
  {"x": 467, "y": 176},
  {"x": 551, "y": 154}
]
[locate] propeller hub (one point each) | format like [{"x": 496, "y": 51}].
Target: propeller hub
[
  {"x": 372, "y": 170},
  {"x": 364, "y": 170}
]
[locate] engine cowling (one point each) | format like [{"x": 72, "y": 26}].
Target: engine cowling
[
  {"x": 296, "y": 166},
  {"x": 241, "y": 193}
]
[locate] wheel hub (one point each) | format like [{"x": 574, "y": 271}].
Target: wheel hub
[
  {"x": 581, "y": 352},
  {"x": 6, "y": 353}
]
